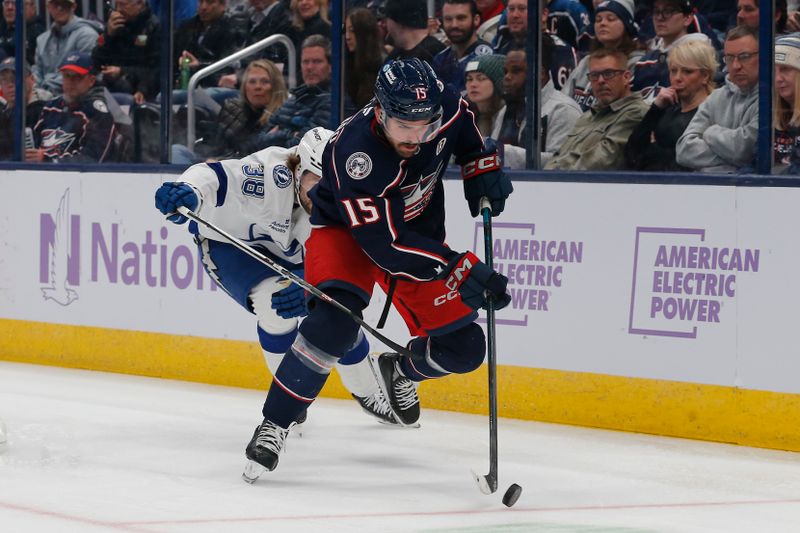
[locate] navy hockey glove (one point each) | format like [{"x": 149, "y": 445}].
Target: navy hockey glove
[
  {"x": 172, "y": 195},
  {"x": 484, "y": 177},
  {"x": 291, "y": 301},
  {"x": 476, "y": 282}
]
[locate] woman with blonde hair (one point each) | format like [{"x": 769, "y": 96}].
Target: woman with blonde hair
[
  {"x": 651, "y": 146},
  {"x": 786, "y": 104},
  {"x": 263, "y": 91}
]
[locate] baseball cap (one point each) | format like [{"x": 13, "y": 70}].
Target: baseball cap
[
  {"x": 80, "y": 62},
  {"x": 10, "y": 64}
]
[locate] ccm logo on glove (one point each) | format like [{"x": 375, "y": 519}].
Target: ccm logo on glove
[{"x": 481, "y": 165}]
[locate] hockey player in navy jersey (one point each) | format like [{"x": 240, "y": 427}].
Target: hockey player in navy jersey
[
  {"x": 262, "y": 199},
  {"x": 378, "y": 217}
]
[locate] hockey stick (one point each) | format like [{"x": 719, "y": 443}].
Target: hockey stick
[
  {"x": 488, "y": 483},
  {"x": 266, "y": 261}
]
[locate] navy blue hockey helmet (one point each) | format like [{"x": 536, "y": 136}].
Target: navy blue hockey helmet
[{"x": 408, "y": 89}]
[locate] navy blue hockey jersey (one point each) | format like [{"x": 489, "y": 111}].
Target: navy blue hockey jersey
[{"x": 394, "y": 207}]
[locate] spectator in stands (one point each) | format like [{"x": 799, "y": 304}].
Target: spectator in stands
[
  {"x": 563, "y": 57},
  {"x": 490, "y": 12},
  {"x": 34, "y": 26},
  {"x": 76, "y": 127},
  {"x": 722, "y": 134},
  {"x": 263, "y": 92},
  {"x": 308, "y": 106},
  {"x": 309, "y": 17},
  {"x": 484, "y": 84},
  {"x": 34, "y": 96},
  {"x": 568, "y": 19},
  {"x": 206, "y": 38},
  {"x": 264, "y": 19},
  {"x": 786, "y": 104},
  {"x": 363, "y": 58},
  {"x": 127, "y": 53},
  {"x": 512, "y": 33},
  {"x": 651, "y": 146},
  {"x": 558, "y": 114},
  {"x": 597, "y": 141},
  {"x": 614, "y": 28},
  {"x": 407, "y": 30},
  {"x": 67, "y": 34},
  {"x": 747, "y": 13},
  {"x": 507, "y": 126},
  {"x": 672, "y": 19},
  {"x": 460, "y": 20}
]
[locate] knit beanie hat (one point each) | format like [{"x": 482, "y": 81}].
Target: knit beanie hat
[
  {"x": 410, "y": 13},
  {"x": 787, "y": 50},
  {"x": 492, "y": 66},
  {"x": 624, "y": 10}
]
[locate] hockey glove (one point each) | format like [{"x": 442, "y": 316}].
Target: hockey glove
[
  {"x": 476, "y": 282},
  {"x": 291, "y": 301},
  {"x": 484, "y": 177},
  {"x": 172, "y": 195}
]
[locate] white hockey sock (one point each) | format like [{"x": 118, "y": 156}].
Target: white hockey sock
[
  {"x": 358, "y": 378},
  {"x": 273, "y": 360}
]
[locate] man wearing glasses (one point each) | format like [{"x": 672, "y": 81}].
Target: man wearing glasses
[
  {"x": 69, "y": 33},
  {"x": 722, "y": 135},
  {"x": 597, "y": 141}
]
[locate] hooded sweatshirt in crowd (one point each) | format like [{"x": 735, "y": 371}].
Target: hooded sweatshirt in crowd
[{"x": 722, "y": 135}]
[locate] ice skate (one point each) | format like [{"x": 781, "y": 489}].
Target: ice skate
[
  {"x": 400, "y": 391},
  {"x": 263, "y": 450},
  {"x": 377, "y": 406}
]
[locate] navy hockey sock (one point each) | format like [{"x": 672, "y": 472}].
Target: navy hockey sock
[{"x": 294, "y": 387}]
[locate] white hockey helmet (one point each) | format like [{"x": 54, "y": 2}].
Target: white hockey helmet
[{"x": 310, "y": 151}]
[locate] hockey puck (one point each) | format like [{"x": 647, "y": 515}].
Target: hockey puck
[{"x": 512, "y": 495}]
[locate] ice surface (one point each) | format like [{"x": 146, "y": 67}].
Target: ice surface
[{"x": 89, "y": 451}]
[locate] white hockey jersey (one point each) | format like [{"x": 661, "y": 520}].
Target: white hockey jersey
[{"x": 253, "y": 199}]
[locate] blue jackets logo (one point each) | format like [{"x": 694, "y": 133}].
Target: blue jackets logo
[{"x": 358, "y": 165}]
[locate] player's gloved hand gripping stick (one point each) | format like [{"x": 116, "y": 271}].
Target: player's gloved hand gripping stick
[{"x": 266, "y": 261}]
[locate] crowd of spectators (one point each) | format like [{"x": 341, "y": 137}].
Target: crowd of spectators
[{"x": 660, "y": 85}]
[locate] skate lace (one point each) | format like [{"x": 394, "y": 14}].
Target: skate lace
[
  {"x": 406, "y": 393},
  {"x": 378, "y": 404},
  {"x": 272, "y": 437}
]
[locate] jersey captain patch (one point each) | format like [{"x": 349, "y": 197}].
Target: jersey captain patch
[
  {"x": 282, "y": 176},
  {"x": 358, "y": 165}
]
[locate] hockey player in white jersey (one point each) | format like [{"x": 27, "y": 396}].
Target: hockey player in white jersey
[{"x": 262, "y": 199}]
